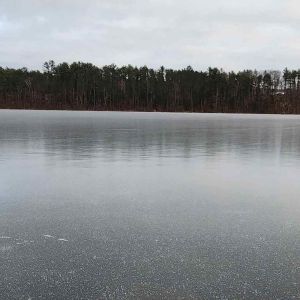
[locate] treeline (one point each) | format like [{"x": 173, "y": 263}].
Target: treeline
[{"x": 84, "y": 86}]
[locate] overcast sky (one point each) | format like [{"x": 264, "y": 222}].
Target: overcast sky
[{"x": 232, "y": 34}]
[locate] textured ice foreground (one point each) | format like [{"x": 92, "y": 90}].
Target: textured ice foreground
[{"x": 136, "y": 205}]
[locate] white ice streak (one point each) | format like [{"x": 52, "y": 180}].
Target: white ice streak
[
  {"x": 23, "y": 243},
  {"x": 62, "y": 240},
  {"x": 48, "y": 236}
]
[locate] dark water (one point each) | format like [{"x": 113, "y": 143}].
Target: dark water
[{"x": 100, "y": 205}]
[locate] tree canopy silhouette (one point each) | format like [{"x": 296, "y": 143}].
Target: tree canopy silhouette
[{"x": 84, "y": 86}]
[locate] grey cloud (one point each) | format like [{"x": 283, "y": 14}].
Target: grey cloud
[{"x": 232, "y": 34}]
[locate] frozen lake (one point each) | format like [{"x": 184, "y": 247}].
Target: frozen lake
[{"x": 111, "y": 205}]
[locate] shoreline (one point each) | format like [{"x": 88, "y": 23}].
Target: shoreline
[{"x": 149, "y": 111}]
